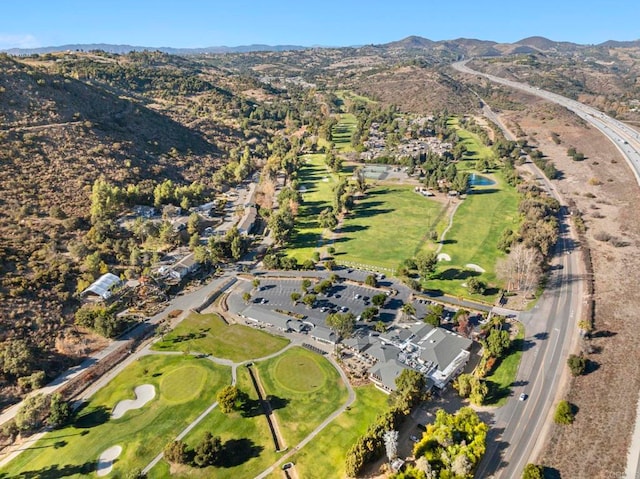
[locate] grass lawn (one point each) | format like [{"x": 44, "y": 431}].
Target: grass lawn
[
  {"x": 325, "y": 455},
  {"x": 386, "y": 227},
  {"x": 208, "y": 333},
  {"x": 318, "y": 183},
  {"x": 245, "y": 437},
  {"x": 477, "y": 226},
  {"x": 476, "y": 149},
  {"x": 304, "y": 389},
  {"x": 503, "y": 375},
  {"x": 73, "y": 451},
  {"x": 349, "y": 95},
  {"x": 342, "y": 132}
]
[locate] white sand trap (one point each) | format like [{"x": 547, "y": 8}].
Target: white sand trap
[
  {"x": 105, "y": 461},
  {"x": 444, "y": 257},
  {"x": 144, "y": 394},
  {"x": 474, "y": 267}
]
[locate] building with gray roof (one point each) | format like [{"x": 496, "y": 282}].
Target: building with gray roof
[
  {"x": 384, "y": 374},
  {"x": 267, "y": 317},
  {"x": 445, "y": 354},
  {"x": 324, "y": 335}
]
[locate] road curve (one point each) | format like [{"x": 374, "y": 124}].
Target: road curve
[
  {"x": 625, "y": 138},
  {"x": 519, "y": 428}
]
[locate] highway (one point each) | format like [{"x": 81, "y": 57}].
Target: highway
[
  {"x": 518, "y": 429},
  {"x": 521, "y": 433},
  {"x": 625, "y": 138}
]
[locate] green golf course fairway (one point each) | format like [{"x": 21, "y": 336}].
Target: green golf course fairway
[{"x": 74, "y": 450}]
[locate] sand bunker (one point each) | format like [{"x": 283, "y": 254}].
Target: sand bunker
[
  {"x": 144, "y": 394},
  {"x": 474, "y": 267},
  {"x": 105, "y": 461},
  {"x": 444, "y": 257}
]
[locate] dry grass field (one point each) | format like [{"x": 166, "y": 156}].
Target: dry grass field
[{"x": 606, "y": 193}]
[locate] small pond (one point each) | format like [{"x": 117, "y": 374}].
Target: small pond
[{"x": 478, "y": 180}]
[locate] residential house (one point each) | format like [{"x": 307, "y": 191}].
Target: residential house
[
  {"x": 248, "y": 220},
  {"x": 184, "y": 267},
  {"x": 144, "y": 211}
]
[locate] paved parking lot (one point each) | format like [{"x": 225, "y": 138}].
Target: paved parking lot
[{"x": 344, "y": 296}]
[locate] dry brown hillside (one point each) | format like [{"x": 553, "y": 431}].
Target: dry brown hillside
[
  {"x": 58, "y": 136},
  {"x": 417, "y": 89}
]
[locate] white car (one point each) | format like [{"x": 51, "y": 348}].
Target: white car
[{"x": 522, "y": 397}]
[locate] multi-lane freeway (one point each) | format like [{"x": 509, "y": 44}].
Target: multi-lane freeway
[
  {"x": 625, "y": 138},
  {"x": 519, "y": 427}
]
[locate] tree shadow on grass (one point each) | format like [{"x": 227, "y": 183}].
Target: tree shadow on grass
[
  {"x": 184, "y": 337},
  {"x": 56, "y": 471},
  {"x": 353, "y": 228},
  {"x": 496, "y": 393},
  {"x": 238, "y": 451},
  {"x": 455, "y": 273},
  {"x": 484, "y": 191},
  {"x": 253, "y": 407},
  {"x": 369, "y": 212},
  {"x": 519, "y": 344},
  {"x": 92, "y": 418}
]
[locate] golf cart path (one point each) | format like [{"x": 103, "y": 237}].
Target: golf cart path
[
  {"x": 444, "y": 233},
  {"x": 351, "y": 398},
  {"x": 225, "y": 362}
]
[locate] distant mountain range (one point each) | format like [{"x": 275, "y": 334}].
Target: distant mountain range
[
  {"x": 412, "y": 43},
  {"x": 107, "y": 47}
]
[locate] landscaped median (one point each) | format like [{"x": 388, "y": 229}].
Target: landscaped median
[{"x": 184, "y": 387}]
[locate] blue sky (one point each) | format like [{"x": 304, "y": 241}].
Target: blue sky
[{"x": 193, "y": 23}]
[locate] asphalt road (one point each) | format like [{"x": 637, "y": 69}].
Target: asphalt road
[
  {"x": 627, "y": 141},
  {"x": 519, "y": 428},
  {"x": 625, "y": 138}
]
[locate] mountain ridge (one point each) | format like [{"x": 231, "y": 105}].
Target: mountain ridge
[{"x": 411, "y": 42}]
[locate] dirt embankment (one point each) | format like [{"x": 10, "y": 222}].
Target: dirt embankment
[{"x": 606, "y": 192}]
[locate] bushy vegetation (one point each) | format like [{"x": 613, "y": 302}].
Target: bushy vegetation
[
  {"x": 564, "y": 413},
  {"x": 450, "y": 448},
  {"x": 370, "y": 446}
]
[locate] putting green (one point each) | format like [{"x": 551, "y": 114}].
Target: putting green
[
  {"x": 183, "y": 384},
  {"x": 299, "y": 373}
]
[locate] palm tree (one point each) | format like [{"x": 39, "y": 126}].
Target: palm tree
[{"x": 408, "y": 309}]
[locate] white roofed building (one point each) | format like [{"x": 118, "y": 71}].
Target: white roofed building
[{"x": 103, "y": 286}]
